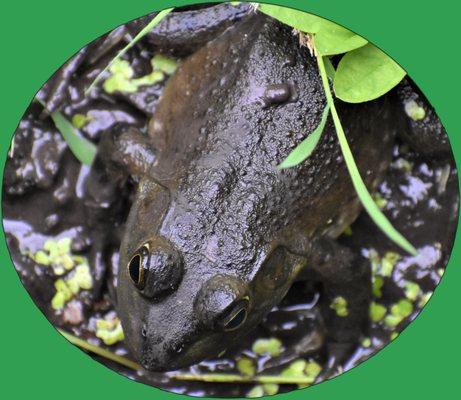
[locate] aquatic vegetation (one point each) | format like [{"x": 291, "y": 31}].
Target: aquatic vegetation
[
  {"x": 271, "y": 346},
  {"x": 109, "y": 330},
  {"x": 339, "y": 304},
  {"x": 121, "y": 79}
]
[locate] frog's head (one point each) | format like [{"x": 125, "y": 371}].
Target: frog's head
[{"x": 180, "y": 300}]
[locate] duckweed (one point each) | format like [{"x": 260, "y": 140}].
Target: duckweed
[
  {"x": 109, "y": 331},
  {"x": 57, "y": 254},
  {"x": 377, "y": 285},
  {"x": 246, "y": 366},
  {"x": 256, "y": 391},
  {"x": 164, "y": 64},
  {"x": 270, "y": 346},
  {"x": 377, "y": 311},
  {"x": 267, "y": 389},
  {"x": 383, "y": 266},
  {"x": 388, "y": 263},
  {"x": 424, "y": 299},
  {"x": 414, "y": 111},
  {"x": 67, "y": 288},
  {"x": 380, "y": 201},
  {"x": 303, "y": 369},
  {"x": 80, "y": 120},
  {"x": 122, "y": 79},
  {"x": 339, "y": 304},
  {"x": 399, "y": 311},
  {"x": 412, "y": 290}
]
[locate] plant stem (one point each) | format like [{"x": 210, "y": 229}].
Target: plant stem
[
  {"x": 154, "y": 22},
  {"x": 234, "y": 378},
  {"x": 100, "y": 351},
  {"x": 215, "y": 378},
  {"x": 370, "y": 206}
]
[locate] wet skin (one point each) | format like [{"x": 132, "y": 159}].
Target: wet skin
[{"x": 217, "y": 234}]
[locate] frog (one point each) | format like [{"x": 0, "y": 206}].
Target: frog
[{"x": 217, "y": 234}]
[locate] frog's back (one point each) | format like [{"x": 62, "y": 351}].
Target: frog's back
[{"x": 256, "y": 94}]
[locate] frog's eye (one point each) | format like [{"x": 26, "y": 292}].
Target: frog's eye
[
  {"x": 235, "y": 316},
  {"x": 138, "y": 265}
]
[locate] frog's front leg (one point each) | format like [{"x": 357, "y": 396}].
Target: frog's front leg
[
  {"x": 121, "y": 153},
  {"x": 345, "y": 296}
]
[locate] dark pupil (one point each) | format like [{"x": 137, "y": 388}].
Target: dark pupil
[
  {"x": 236, "y": 320},
  {"x": 134, "y": 269}
]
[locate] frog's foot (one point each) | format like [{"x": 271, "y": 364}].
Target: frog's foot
[
  {"x": 310, "y": 343},
  {"x": 346, "y": 289}
]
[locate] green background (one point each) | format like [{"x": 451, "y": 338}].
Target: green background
[{"x": 37, "y": 37}]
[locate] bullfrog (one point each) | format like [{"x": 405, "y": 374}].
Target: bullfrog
[{"x": 217, "y": 234}]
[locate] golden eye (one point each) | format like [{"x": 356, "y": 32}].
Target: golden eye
[
  {"x": 236, "y": 317},
  {"x": 236, "y": 321},
  {"x": 138, "y": 265}
]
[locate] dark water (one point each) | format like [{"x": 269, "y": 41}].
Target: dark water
[{"x": 43, "y": 199}]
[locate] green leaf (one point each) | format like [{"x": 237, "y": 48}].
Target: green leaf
[
  {"x": 83, "y": 149},
  {"x": 370, "y": 206},
  {"x": 151, "y": 25},
  {"x": 303, "y": 150},
  {"x": 331, "y": 72},
  {"x": 334, "y": 39},
  {"x": 330, "y": 38},
  {"x": 366, "y": 74}
]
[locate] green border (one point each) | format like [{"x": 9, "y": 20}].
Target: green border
[{"x": 37, "y": 37}]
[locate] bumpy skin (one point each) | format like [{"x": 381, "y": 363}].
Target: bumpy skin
[{"x": 214, "y": 207}]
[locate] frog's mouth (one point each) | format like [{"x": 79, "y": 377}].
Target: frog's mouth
[
  {"x": 159, "y": 354},
  {"x": 169, "y": 357}
]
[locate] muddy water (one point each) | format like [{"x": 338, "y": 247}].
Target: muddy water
[{"x": 43, "y": 200}]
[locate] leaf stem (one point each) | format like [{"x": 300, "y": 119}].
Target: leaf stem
[
  {"x": 83, "y": 344},
  {"x": 154, "y": 22},
  {"x": 214, "y": 378},
  {"x": 234, "y": 378},
  {"x": 370, "y": 206}
]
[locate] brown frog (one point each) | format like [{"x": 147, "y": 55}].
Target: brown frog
[{"x": 217, "y": 234}]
